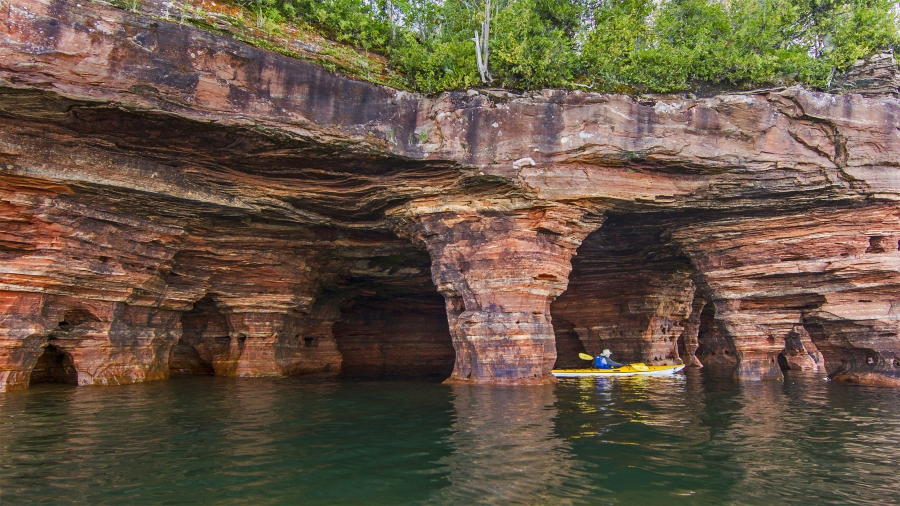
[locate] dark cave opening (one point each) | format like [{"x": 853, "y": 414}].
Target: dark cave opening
[
  {"x": 402, "y": 335},
  {"x": 54, "y": 366},
  {"x": 204, "y": 325},
  {"x": 783, "y": 363},
  {"x": 568, "y": 345},
  {"x": 630, "y": 291},
  {"x": 714, "y": 349},
  {"x": 75, "y": 317},
  {"x": 185, "y": 360}
]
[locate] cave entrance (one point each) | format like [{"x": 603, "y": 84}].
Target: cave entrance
[
  {"x": 630, "y": 291},
  {"x": 185, "y": 360},
  {"x": 54, "y": 366},
  {"x": 568, "y": 345},
  {"x": 75, "y": 317},
  {"x": 783, "y": 363},
  {"x": 714, "y": 349},
  {"x": 391, "y": 320},
  {"x": 395, "y": 335},
  {"x": 204, "y": 328}
]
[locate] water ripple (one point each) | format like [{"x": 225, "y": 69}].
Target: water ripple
[{"x": 694, "y": 439}]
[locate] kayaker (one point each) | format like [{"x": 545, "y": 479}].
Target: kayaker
[{"x": 603, "y": 361}]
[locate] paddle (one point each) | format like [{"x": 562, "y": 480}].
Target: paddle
[{"x": 637, "y": 366}]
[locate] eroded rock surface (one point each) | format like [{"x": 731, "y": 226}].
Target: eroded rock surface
[
  {"x": 498, "y": 270},
  {"x": 875, "y": 76},
  {"x": 174, "y": 202}
]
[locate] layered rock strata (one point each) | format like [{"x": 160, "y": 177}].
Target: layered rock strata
[
  {"x": 174, "y": 202},
  {"x": 875, "y": 76},
  {"x": 816, "y": 273}
]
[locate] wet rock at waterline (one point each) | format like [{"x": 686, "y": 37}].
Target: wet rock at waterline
[{"x": 174, "y": 202}]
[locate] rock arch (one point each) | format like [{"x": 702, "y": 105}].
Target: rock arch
[{"x": 629, "y": 291}]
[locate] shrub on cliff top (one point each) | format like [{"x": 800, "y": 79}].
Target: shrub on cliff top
[{"x": 607, "y": 45}]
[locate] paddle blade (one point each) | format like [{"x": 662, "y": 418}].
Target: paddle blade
[
  {"x": 639, "y": 366},
  {"x": 585, "y": 356}
]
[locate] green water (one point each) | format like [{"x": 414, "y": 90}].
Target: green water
[{"x": 692, "y": 439}]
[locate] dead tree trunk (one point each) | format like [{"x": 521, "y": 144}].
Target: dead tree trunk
[{"x": 481, "y": 45}]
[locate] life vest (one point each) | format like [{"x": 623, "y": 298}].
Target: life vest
[{"x": 601, "y": 363}]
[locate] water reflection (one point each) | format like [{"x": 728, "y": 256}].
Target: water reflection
[
  {"x": 695, "y": 439},
  {"x": 705, "y": 438},
  {"x": 635, "y": 430},
  {"x": 505, "y": 450},
  {"x": 807, "y": 438},
  {"x": 672, "y": 405}
]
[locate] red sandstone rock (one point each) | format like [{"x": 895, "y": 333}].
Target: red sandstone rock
[
  {"x": 174, "y": 201},
  {"x": 498, "y": 270},
  {"x": 774, "y": 278}
]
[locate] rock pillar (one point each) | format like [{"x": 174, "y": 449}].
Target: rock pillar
[
  {"x": 758, "y": 336},
  {"x": 800, "y": 354},
  {"x": 259, "y": 316},
  {"x": 22, "y": 332},
  {"x": 498, "y": 272}
]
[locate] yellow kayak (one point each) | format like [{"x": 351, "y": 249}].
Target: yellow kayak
[{"x": 637, "y": 369}]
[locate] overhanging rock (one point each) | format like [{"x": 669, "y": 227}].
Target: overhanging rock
[{"x": 186, "y": 199}]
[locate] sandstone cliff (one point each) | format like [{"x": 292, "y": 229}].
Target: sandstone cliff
[{"x": 175, "y": 202}]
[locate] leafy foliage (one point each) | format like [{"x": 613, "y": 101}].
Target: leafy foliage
[{"x": 607, "y": 45}]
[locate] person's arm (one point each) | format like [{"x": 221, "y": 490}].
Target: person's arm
[{"x": 614, "y": 364}]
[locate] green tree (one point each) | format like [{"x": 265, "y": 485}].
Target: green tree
[
  {"x": 606, "y": 45},
  {"x": 534, "y": 43}
]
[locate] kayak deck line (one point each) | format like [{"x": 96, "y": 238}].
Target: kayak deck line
[{"x": 653, "y": 370}]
